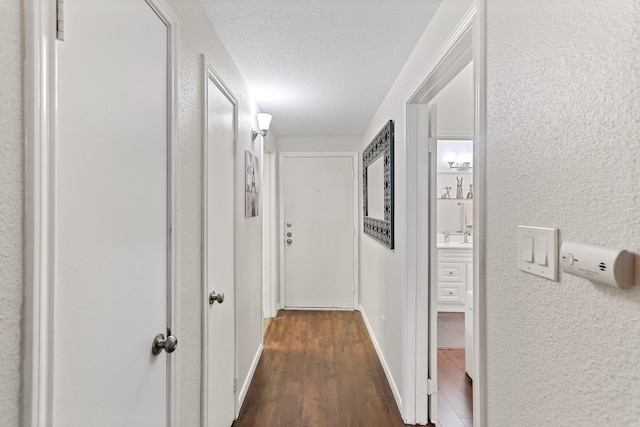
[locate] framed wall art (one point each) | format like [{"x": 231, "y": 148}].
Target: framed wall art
[
  {"x": 377, "y": 178},
  {"x": 252, "y": 184}
]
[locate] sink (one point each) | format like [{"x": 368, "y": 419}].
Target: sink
[{"x": 455, "y": 245}]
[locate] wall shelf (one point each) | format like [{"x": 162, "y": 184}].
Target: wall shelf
[{"x": 455, "y": 172}]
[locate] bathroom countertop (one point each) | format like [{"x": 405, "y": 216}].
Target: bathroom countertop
[{"x": 455, "y": 245}]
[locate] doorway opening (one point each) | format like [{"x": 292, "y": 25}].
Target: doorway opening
[
  {"x": 452, "y": 262},
  {"x": 444, "y": 260}
]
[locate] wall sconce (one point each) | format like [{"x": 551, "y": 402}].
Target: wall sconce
[
  {"x": 461, "y": 162},
  {"x": 264, "y": 121}
]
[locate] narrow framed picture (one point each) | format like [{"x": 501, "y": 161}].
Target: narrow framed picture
[{"x": 252, "y": 185}]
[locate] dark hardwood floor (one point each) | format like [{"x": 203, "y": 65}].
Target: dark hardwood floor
[
  {"x": 455, "y": 391},
  {"x": 450, "y": 330},
  {"x": 319, "y": 368}
]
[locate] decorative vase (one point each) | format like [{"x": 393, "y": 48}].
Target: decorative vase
[{"x": 459, "y": 194}]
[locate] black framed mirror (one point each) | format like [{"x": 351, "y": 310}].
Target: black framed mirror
[{"x": 377, "y": 179}]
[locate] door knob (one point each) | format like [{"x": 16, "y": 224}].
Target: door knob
[
  {"x": 288, "y": 234},
  {"x": 159, "y": 343},
  {"x": 288, "y": 224},
  {"x": 213, "y": 297},
  {"x": 289, "y": 241}
]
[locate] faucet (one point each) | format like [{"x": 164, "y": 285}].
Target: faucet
[{"x": 467, "y": 234}]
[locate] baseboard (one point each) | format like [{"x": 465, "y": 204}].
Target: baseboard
[
  {"x": 320, "y": 309},
  {"x": 247, "y": 381},
  {"x": 383, "y": 362}
]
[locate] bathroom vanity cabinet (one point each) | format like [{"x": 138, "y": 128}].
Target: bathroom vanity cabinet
[{"x": 455, "y": 275}]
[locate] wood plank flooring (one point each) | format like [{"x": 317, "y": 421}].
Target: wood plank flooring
[
  {"x": 455, "y": 391},
  {"x": 450, "y": 330},
  {"x": 319, "y": 368}
]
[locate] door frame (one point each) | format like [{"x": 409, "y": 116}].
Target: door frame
[
  {"x": 269, "y": 232},
  {"x": 40, "y": 94},
  {"x": 281, "y": 226},
  {"x": 466, "y": 41},
  {"x": 210, "y": 73}
]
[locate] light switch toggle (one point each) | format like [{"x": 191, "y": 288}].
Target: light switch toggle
[
  {"x": 542, "y": 250},
  {"x": 527, "y": 249}
]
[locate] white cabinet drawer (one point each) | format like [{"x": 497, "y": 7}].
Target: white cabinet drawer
[
  {"x": 450, "y": 292},
  {"x": 451, "y": 272},
  {"x": 455, "y": 255}
]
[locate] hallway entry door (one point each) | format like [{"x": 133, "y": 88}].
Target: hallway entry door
[
  {"x": 112, "y": 219},
  {"x": 219, "y": 253},
  {"x": 318, "y": 230}
]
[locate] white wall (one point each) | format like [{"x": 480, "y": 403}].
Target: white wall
[
  {"x": 197, "y": 36},
  {"x": 455, "y": 106},
  {"x": 11, "y": 208},
  {"x": 317, "y": 144},
  {"x": 563, "y": 151},
  {"x": 382, "y": 270}
]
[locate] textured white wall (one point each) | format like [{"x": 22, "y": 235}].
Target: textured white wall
[
  {"x": 11, "y": 208},
  {"x": 563, "y": 151},
  {"x": 381, "y": 269},
  {"x": 197, "y": 36}
]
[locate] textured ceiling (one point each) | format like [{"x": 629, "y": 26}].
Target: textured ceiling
[{"x": 321, "y": 67}]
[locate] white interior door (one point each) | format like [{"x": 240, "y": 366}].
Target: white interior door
[
  {"x": 433, "y": 264},
  {"x": 111, "y": 278},
  {"x": 219, "y": 251},
  {"x": 318, "y": 231}
]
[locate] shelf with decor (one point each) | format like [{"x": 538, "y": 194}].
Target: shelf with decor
[{"x": 469, "y": 172}]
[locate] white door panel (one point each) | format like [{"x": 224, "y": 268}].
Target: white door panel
[
  {"x": 111, "y": 217},
  {"x": 319, "y": 215},
  {"x": 219, "y": 252}
]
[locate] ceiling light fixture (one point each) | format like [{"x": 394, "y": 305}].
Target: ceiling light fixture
[{"x": 264, "y": 121}]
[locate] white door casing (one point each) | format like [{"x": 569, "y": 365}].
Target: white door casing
[
  {"x": 432, "y": 382},
  {"x": 269, "y": 233},
  {"x": 318, "y": 207},
  {"x": 219, "y": 254},
  {"x": 101, "y": 215}
]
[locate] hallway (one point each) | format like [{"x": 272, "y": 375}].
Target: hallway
[{"x": 319, "y": 368}]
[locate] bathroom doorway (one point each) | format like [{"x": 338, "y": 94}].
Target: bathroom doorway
[
  {"x": 442, "y": 272},
  {"x": 451, "y": 173}
]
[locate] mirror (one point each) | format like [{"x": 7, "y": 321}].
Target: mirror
[
  {"x": 377, "y": 174},
  {"x": 375, "y": 189}
]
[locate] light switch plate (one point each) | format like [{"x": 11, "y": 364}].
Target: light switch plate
[{"x": 541, "y": 236}]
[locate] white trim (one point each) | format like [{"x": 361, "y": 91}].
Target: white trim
[
  {"x": 355, "y": 165},
  {"x": 40, "y": 120},
  {"x": 417, "y": 94},
  {"x": 409, "y": 312},
  {"x": 247, "y": 381},
  {"x": 480, "y": 403},
  {"x": 165, "y": 13},
  {"x": 39, "y": 111},
  {"x": 455, "y": 53},
  {"x": 209, "y": 73},
  {"x": 383, "y": 361},
  {"x": 269, "y": 233}
]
